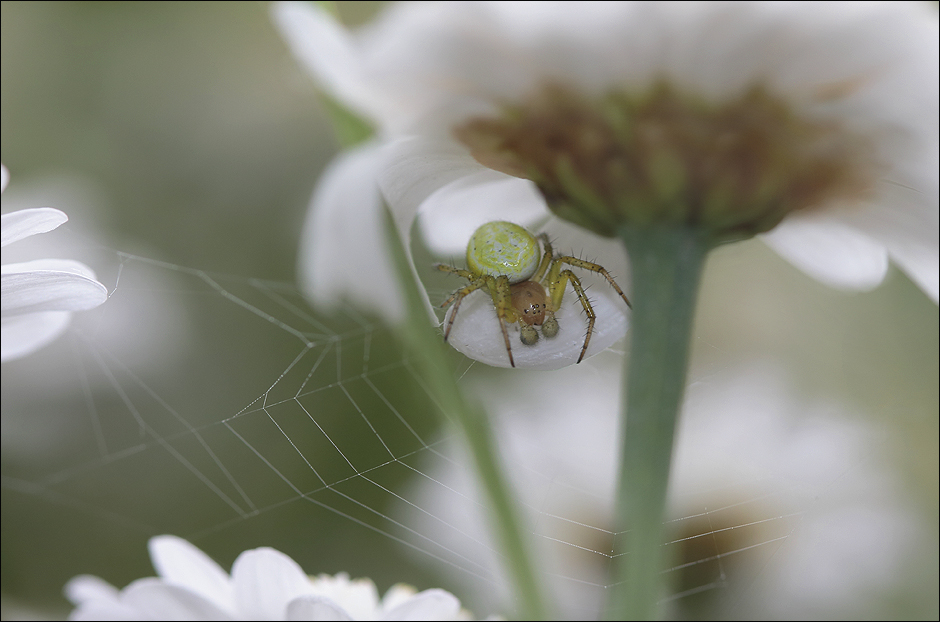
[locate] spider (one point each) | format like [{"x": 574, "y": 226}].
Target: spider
[{"x": 503, "y": 258}]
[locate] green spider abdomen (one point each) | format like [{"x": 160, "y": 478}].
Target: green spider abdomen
[{"x": 503, "y": 249}]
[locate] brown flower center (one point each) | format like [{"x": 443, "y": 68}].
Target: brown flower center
[{"x": 735, "y": 168}]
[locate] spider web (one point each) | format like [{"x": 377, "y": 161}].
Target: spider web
[{"x": 223, "y": 410}]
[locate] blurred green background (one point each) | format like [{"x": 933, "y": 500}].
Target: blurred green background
[{"x": 186, "y": 133}]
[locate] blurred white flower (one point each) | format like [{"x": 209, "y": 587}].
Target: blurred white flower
[
  {"x": 143, "y": 325},
  {"x": 265, "y": 584},
  {"x": 39, "y": 297},
  {"x": 780, "y": 508},
  {"x": 440, "y": 80},
  {"x": 348, "y": 210}
]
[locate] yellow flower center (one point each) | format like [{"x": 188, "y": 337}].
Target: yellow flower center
[{"x": 664, "y": 157}]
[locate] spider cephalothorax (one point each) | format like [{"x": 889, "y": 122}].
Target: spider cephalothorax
[{"x": 504, "y": 258}]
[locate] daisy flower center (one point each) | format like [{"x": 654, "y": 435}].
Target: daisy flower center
[{"x": 736, "y": 168}]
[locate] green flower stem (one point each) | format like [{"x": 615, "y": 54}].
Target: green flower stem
[
  {"x": 475, "y": 425},
  {"x": 439, "y": 374},
  {"x": 666, "y": 264}
]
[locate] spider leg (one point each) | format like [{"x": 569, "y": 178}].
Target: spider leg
[
  {"x": 502, "y": 300},
  {"x": 443, "y": 267},
  {"x": 502, "y": 325},
  {"x": 457, "y": 297},
  {"x": 498, "y": 289},
  {"x": 593, "y": 267},
  {"x": 546, "y": 258},
  {"x": 568, "y": 275}
]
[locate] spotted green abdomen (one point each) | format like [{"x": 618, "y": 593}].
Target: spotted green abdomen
[{"x": 503, "y": 249}]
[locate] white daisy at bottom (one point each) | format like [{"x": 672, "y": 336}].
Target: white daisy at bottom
[{"x": 264, "y": 584}]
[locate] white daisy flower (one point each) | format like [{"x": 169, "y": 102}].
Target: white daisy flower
[
  {"x": 264, "y": 584},
  {"x": 39, "y": 297},
  {"x": 347, "y": 211},
  {"x": 784, "y": 491},
  {"x": 821, "y": 118}
]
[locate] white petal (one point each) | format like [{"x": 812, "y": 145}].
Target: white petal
[
  {"x": 56, "y": 265},
  {"x": 415, "y": 168},
  {"x": 99, "y": 611},
  {"x": 49, "y": 285},
  {"x": 343, "y": 252},
  {"x": 476, "y": 332},
  {"x": 921, "y": 265},
  {"x": 357, "y": 597},
  {"x": 412, "y": 170},
  {"x": 155, "y": 600},
  {"x": 396, "y": 595},
  {"x": 265, "y": 582},
  {"x": 889, "y": 48},
  {"x": 4, "y": 177},
  {"x": 316, "y": 608},
  {"x": 329, "y": 53},
  {"x": 450, "y": 216},
  {"x": 26, "y": 222},
  {"x": 180, "y": 563},
  {"x": 406, "y": 56},
  {"x": 830, "y": 251},
  {"x": 87, "y": 587},
  {"x": 907, "y": 222},
  {"x": 428, "y": 605},
  {"x": 24, "y": 334}
]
